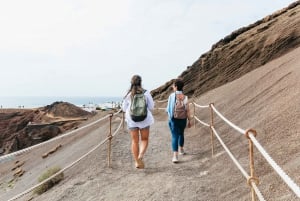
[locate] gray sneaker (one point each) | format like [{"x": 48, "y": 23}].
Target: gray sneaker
[{"x": 181, "y": 152}]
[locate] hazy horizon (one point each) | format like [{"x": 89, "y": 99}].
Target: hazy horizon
[
  {"x": 40, "y": 101},
  {"x": 92, "y": 48}
]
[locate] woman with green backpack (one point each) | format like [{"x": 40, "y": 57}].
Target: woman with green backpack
[{"x": 137, "y": 105}]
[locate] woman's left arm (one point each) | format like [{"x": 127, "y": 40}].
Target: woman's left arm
[{"x": 188, "y": 112}]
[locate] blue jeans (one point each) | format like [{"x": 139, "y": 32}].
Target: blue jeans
[{"x": 177, "y": 127}]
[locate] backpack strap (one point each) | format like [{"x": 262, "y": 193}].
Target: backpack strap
[{"x": 145, "y": 97}]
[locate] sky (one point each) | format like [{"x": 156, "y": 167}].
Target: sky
[{"x": 94, "y": 47}]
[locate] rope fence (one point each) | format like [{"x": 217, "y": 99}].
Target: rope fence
[
  {"x": 107, "y": 139},
  {"x": 11, "y": 156},
  {"x": 203, "y": 123},
  {"x": 276, "y": 167},
  {"x": 62, "y": 170},
  {"x": 162, "y": 101},
  {"x": 249, "y": 179},
  {"x": 252, "y": 180},
  {"x": 250, "y": 134}
]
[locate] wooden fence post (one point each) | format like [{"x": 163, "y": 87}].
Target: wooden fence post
[
  {"x": 211, "y": 130},
  {"x": 109, "y": 141},
  {"x": 251, "y": 164}
]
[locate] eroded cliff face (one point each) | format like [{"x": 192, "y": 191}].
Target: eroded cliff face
[
  {"x": 21, "y": 128},
  {"x": 240, "y": 52}
]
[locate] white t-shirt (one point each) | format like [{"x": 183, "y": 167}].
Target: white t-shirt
[{"x": 126, "y": 108}]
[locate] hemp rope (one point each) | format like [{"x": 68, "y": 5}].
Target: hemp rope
[
  {"x": 67, "y": 167},
  {"x": 11, "y": 156}
]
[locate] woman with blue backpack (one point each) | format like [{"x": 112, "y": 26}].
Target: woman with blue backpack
[{"x": 179, "y": 116}]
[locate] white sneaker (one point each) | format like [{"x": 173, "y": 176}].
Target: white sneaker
[{"x": 175, "y": 159}]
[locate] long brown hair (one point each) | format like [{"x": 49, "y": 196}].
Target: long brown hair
[{"x": 136, "y": 85}]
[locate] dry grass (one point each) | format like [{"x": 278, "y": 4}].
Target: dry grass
[{"x": 52, "y": 182}]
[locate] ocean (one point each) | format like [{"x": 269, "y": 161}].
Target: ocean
[{"x": 41, "y": 101}]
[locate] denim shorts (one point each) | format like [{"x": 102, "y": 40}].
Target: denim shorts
[{"x": 136, "y": 128}]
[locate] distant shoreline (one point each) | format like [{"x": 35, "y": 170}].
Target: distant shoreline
[{"x": 31, "y": 102}]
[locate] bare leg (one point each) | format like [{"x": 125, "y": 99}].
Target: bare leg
[
  {"x": 144, "y": 141},
  {"x": 135, "y": 143}
]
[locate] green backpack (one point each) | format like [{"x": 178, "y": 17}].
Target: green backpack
[{"x": 138, "y": 107}]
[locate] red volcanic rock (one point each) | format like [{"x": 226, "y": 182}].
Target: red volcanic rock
[{"x": 21, "y": 128}]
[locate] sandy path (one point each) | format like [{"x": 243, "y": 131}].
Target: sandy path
[{"x": 160, "y": 180}]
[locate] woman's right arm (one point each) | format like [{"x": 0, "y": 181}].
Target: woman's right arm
[
  {"x": 125, "y": 104},
  {"x": 169, "y": 105}
]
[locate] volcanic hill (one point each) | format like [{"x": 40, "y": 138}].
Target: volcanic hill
[
  {"x": 241, "y": 52},
  {"x": 21, "y": 128}
]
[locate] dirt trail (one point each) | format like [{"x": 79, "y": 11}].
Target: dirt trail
[{"x": 160, "y": 180}]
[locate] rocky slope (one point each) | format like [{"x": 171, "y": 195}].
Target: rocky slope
[
  {"x": 26, "y": 127},
  {"x": 241, "y": 52}
]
